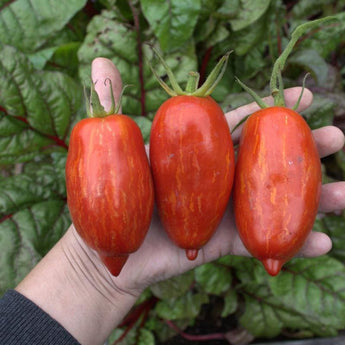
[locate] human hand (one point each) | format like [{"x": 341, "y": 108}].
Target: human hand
[
  {"x": 74, "y": 287},
  {"x": 159, "y": 258}
]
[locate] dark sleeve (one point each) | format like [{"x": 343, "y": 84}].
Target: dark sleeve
[{"x": 23, "y": 322}]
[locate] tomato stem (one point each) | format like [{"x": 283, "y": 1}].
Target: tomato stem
[
  {"x": 191, "y": 87},
  {"x": 214, "y": 78},
  {"x": 176, "y": 89},
  {"x": 278, "y": 94},
  {"x": 255, "y": 96},
  {"x": 276, "y": 82},
  {"x": 94, "y": 108},
  {"x": 192, "y": 82},
  {"x": 276, "y": 79},
  {"x": 295, "y": 107},
  {"x": 113, "y": 108}
]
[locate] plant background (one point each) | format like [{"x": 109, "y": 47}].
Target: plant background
[{"x": 46, "y": 47}]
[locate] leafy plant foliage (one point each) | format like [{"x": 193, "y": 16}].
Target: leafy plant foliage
[{"x": 46, "y": 51}]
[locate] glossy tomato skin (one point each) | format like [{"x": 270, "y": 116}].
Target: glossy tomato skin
[
  {"x": 277, "y": 185},
  {"x": 192, "y": 161},
  {"x": 109, "y": 186}
]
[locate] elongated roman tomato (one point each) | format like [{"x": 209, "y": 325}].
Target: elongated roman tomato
[
  {"x": 109, "y": 187},
  {"x": 277, "y": 185},
  {"x": 192, "y": 160}
]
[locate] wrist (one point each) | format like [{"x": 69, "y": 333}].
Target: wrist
[{"x": 72, "y": 285}]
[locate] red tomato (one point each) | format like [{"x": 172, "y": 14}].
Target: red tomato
[
  {"x": 277, "y": 185},
  {"x": 192, "y": 160},
  {"x": 109, "y": 187}
]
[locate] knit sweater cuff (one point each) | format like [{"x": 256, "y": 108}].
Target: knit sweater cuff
[{"x": 23, "y": 322}]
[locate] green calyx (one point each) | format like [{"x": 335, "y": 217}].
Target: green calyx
[
  {"x": 192, "y": 88},
  {"x": 94, "y": 108},
  {"x": 276, "y": 82}
]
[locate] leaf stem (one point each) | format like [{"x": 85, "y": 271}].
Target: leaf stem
[
  {"x": 5, "y": 217},
  {"x": 140, "y": 57},
  {"x": 192, "y": 337},
  {"x": 204, "y": 64},
  {"x": 140, "y": 311}
]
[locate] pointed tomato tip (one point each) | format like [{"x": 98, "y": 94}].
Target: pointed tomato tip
[
  {"x": 272, "y": 266},
  {"x": 192, "y": 254},
  {"x": 114, "y": 263}
]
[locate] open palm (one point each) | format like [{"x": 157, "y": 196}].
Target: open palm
[{"x": 159, "y": 258}]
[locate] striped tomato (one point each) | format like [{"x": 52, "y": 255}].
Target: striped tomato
[
  {"x": 109, "y": 186},
  {"x": 277, "y": 185},
  {"x": 192, "y": 159}
]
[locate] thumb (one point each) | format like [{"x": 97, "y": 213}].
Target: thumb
[{"x": 102, "y": 71}]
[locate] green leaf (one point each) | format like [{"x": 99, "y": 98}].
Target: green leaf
[
  {"x": 306, "y": 8},
  {"x": 308, "y": 294},
  {"x": 230, "y": 303},
  {"x": 260, "y": 317},
  {"x": 334, "y": 226},
  {"x": 210, "y": 29},
  {"x": 246, "y": 39},
  {"x": 183, "y": 307},
  {"x": 145, "y": 126},
  {"x": 109, "y": 37},
  {"x": 129, "y": 338},
  {"x": 27, "y": 236},
  {"x": 248, "y": 269},
  {"x": 173, "y": 287},
  {"x": 340, "y": 163},
  {"x": 30, "y": 24},
  {"x": 40, "y": 107},
  {"x": 38, "y": 182},
  {"x": 40, "y": 58},
  {"x": 326, "y": 40},
  {"x": 162, "y": 331},
  {"x": 311, "y": 61},
  {"x": 66, "y": 55},
  {"x": 34, "y": 216},
  {"x": 213, "y": 279},
  {"x": 320, "y": 113},
  {"x": 61, "y": 57},
  {"x": 173, "y": 21},
  {"x": 250, "y": 11},
  {"x": 250, "y": 64},
  {"x": 18, "y": 143},
  {"x": 20, "y": 191},
  {"x": 4, "y": 2},
  {"x": 146, "y": 337}
]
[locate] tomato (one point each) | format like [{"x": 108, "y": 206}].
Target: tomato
[
  {"x": 277, "y": 185},
  {"x": 109, "y": 187},
  {"x": 192, "y": 161}
]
